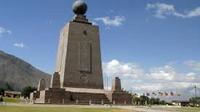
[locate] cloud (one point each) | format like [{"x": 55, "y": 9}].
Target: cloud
[
  {"x": 108, "y": 21},
  {"x": 195, "y": 65},
  {"x": 162, "y": 10},
  {"x": 94, "y": 23},
  {"x": 167, "y": 86},
  {"x": 191, "y": 76},
  {"x": 108, "y": 88},
  {"x": 194, "y": 13},
  {"x": 19, "y": 45},
  {"x": 163, "y": 73},
  {"x": 117, "y": 68},
  {"x": 4, "y": 31},
  {"x": 164, "y": 78}
]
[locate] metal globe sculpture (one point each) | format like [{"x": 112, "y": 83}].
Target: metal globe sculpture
[{"x": 79, "y": 7}]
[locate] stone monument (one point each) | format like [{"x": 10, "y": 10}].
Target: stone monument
[
  {"x": 79, "y": 57},
  {"x": 78, "y": 77},
  {"x": 116, "y": 86},
  {"x": 41, "y": 85}
]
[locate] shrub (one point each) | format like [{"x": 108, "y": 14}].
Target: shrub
[
  {"x": 2, "y": 91},
  {"x": 26, "y": 91},
  {"x": 1, "y": 99}
]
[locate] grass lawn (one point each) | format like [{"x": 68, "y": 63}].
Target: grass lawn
[
  {"x": 11, "y": 100},
  {"x": 55, "y": 109},
  {"x": 189, "y": 109}
]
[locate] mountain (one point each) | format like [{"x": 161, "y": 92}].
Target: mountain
[{"x": 18, "y": 73}]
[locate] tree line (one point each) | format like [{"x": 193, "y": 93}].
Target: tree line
[
  {"x": 25, "y": 92},
  {"x": 144, "y": 100},
  {"x": 195, "y": 101}
]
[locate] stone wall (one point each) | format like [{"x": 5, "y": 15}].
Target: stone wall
[
  {"x": 121, "y": 98},
  {"x": 60, "y": 96},
  {"x": 116, "y": 86},
  {"x": 89, "y": 98}
]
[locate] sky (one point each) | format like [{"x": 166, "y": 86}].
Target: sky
[{"x": 152, "y": 45}]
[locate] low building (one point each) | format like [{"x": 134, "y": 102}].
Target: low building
[
  {"x": 181, "y": 103},
  {"x": 12, "y": 94}
]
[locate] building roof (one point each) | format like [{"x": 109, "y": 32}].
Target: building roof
[
  {"x": 180, "y": 101},
  {"x": 13, "y": 92}
]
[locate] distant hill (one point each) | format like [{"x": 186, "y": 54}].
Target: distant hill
[{"x": 18, "y": 73}]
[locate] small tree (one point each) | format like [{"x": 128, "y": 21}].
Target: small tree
[
  {"x": 157, "y": 101},
  {"x": 162, "y": 102},
  {"x": 1, "y": 99},
  {"x": 152, "y": 101},
  {"x": 27, "y": 91},
  {"x": 195, "y": 101},
  {"x": 135, "y": 100},
  {"x": 144, "y": 100},
  {"x": 2, "y": 91}
]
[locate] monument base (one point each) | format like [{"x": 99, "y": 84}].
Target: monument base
[{"x": 80, "y": 96}]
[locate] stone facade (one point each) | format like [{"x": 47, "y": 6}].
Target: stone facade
[
  {"x": 41, "y": 85},
  {"x": 86, "y": 96},
  {"x": 61, "y": 96},
  {"x": 116, "y": 86},
  {"x": 81, "y": 96},
  {"x": 121, "y": 98},
  {"x": 79, "y": 57},
  {"x": 55, "y": 81},
  {"x": 78, "y": 78}
]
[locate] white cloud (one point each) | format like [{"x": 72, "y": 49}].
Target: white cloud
[
  {"x": 162, "y": 10},
  {"x": 19, "y": 45},
  {"x": 108, "y": 21},
  {"x": 191, "y": 76},
  {"x": 167, "y": 86},
  {"x": 94, "y": 23},
  {"x": 4, "y": 31},
  {"x": 194, "y": 13},
  {"x": 195, "y": 65},
  {"x": 165, "y": 78},
  {"x": 116, "y": 68},
  {"x": 163, "y": 73},
  {"x": 147, "y": 86},
  {"x": 108, "y": 88}
]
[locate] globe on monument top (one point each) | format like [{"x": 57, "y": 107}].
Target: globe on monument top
[{"x": 79, "y": 7}]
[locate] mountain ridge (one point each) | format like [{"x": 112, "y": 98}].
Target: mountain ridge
[{"x": 19, "y": 73}]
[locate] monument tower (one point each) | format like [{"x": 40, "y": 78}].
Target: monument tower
[
  {"x": 78, "y": 76},
  {"x": 79, "y": 57}
]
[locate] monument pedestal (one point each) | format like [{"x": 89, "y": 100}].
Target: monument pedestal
[
  {"x": 121, "y": 98},
  {"x": 80, "y": 96},
  {"x": 71, "y": 96}
]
